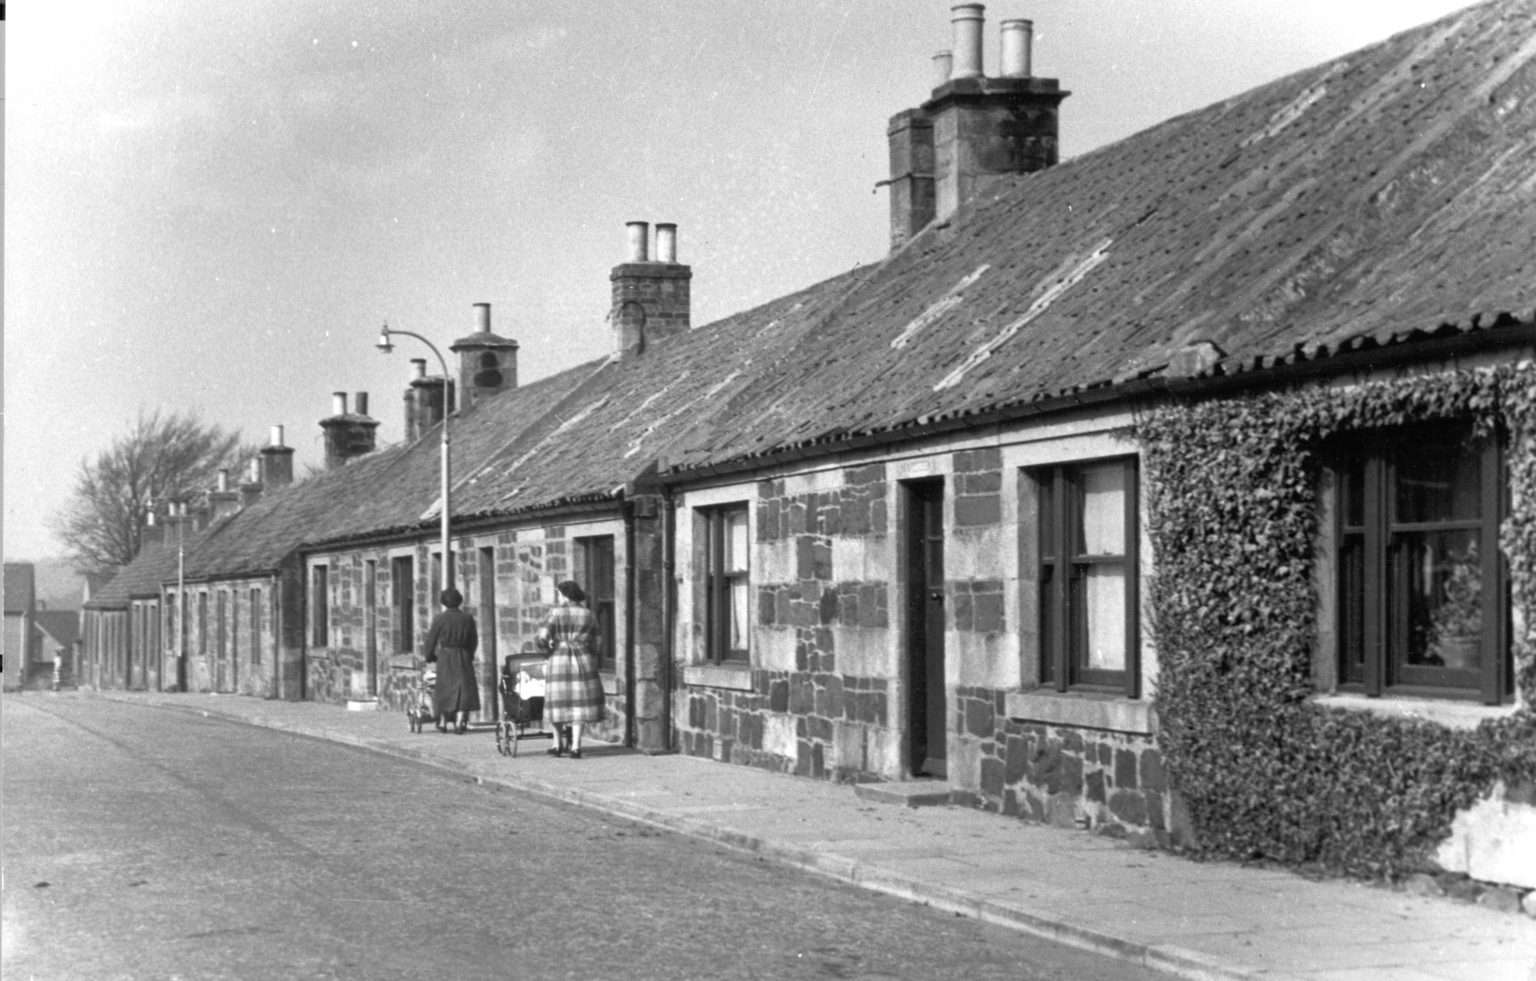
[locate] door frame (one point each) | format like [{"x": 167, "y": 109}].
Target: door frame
[{"x": 926, "y": 703}]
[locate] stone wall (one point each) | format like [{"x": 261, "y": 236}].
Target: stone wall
[
  {"x": 1110, "y": 782},
  {"x": 817, "y": 700}
]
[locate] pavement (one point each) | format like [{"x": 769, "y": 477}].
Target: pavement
[{"x": 1204, "y": 920}]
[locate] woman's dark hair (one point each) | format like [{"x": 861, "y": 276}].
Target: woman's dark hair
[
  {"x": 572, "y": 591},
  {"x": 452, "y": 598}
]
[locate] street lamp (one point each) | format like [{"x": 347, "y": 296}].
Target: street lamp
[
  {"x": 177, "y": 511},
  {"x": 386, "y": 346}
]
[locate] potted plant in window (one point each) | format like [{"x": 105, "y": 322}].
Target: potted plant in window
[{"x": 1457, "y": 623}]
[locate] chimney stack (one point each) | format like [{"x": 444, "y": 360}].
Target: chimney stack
[
  {"x": 153, "y": 533},
  {"x": 250, "y": 489},
  {"x": 276, "y": 461},
  {"x": 651, "y": 300},
  {"x": 974, "y": 131},
  {"x": 427, "y": 399},
  {"x": 223, "y": 501},
  {"x": 347, "y": 434},
  {"x": 487, "y": 362}
]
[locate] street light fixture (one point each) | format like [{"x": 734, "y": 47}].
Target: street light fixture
[{"x": 386, "y": 346}]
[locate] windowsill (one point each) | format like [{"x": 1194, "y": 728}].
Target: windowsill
[
  {"x": 1084, "y": 710},
  {"x": 734, "y": 676},
  {"x": 1446, "y": 712}
]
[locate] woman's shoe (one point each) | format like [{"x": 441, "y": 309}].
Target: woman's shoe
[
  {"x": 463, "y": 728},
  {"x": 442, "y": 727},
  {"x": 575, "y": 754},
  {"x": 555, "y": 751}
]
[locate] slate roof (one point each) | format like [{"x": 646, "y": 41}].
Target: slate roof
[
  {"x": 1370, "y": 200},
  {"x": 155, "y": 563},
  {"x": 62, "y": 625},
  {"x": 628, "y": 414}
]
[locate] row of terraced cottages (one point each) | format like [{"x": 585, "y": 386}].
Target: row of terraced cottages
[{"x": 1176, "y": 491}]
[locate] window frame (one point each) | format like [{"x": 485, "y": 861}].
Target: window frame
[
  {"x": 1062, "y": 667},
  {"x": 402, "y": 595},
  {"x": 255, "y": 624},
  {"x": 320, "y": 605},
  {"x": 1383, "y": 668},
  {"x": 719, "y": 582}
]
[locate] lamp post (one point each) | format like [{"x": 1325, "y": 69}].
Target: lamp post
[{"x": 386, "y": 346}]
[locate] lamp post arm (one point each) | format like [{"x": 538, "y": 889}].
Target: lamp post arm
[{"x": 384, "y": 337}]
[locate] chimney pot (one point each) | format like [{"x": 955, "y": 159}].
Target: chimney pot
[
  {"x": 418, "y": 368},
  {"x": 666, "y": 241},
  {"x": 943, "y": 64},
  {"x": 338, "y": 403},
  {"x": 483, "y": 318},
  {"x": 275, "y": 436},
  {"x": 1017, "y": 40},
  {"x": 223, "y": 480},
  {"x": 253, "y": 471},
  {"x": 967, "y": 19},
  {"x": 639, "y": 240},
  {"x": 360, "y": 403}
]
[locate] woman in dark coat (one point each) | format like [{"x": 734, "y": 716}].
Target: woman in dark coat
[
  {"x": 573, "y": 692},
  {"x": 451, "y": 643}
]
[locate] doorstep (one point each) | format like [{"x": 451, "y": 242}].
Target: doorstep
[{"x": 908, "y": 793}]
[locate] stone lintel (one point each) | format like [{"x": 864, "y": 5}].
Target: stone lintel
[{"x": 738, "y": 677}]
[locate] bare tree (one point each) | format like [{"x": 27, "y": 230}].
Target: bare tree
[{"x": 161, "y": 459}]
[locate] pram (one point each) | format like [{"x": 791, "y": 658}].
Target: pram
[
  {"x": 522, "y": 700},
  {"x": 420, "y": 707}
]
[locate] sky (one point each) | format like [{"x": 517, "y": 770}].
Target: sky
[{"x": 213, "y": 206}]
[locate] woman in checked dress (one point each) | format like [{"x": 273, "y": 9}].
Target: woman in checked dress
[{"x": 573, "y": 692}]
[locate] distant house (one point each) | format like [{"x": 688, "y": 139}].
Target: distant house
[
  {"x": 22, "y": 648},
  {"x": 1176, "y": 492}
]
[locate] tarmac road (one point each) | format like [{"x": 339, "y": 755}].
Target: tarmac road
[{"x": 144, "y": 843}]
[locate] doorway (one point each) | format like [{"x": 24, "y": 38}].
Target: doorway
[{"x": 923, "y": 523}]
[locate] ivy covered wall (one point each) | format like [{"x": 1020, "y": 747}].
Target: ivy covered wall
[{"x": 1233, "y": 510}]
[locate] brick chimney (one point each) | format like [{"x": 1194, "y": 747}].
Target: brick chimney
[
  {"x": 487, "y": 363},
  {"x": 347, "y": 434},
  {"x": 276, "y": 461},
  {"x": 650, "y": 297},
  {"x": 974, "y": 130},
  {"x": 427, "y": 399}
]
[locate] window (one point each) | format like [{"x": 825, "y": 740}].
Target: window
[
  {"x": 202, "y": 624},
  {"x": 726, "y": 582},
  {"x": 1422, "y": 598},
  {"x": 594, "y": 571},
  {"x": 402, "y": 586},
  {"x": 255, "y": 626},
  {"x": 1088, "y": 588},
  {"x": 320, "y": 607}
]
